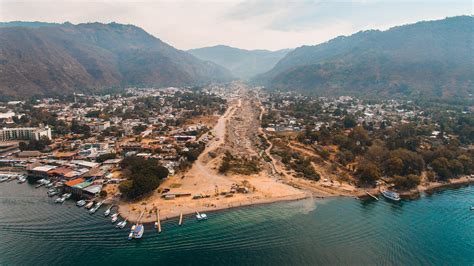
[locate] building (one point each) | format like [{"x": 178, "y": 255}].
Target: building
[{"x": 24, "y": 133}]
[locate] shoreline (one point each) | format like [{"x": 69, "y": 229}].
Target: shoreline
[
  {"x": 208, "y": 209},
  {"x": 428, "y": 189}
]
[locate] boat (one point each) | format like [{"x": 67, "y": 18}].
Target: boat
[
  {"x": 3, "y": 179},
  {"x": 52, "y": 192},
  {"x": 107, "y": 212},
  {"x": 80, "y": 203},
  {"x": 67, "y": 195},
  {"x": 114, "y": 217},
  {"x": 98, "y": 204},
  {"x": 48, "y": 184},
  {"x": 96, "y": 207},
  {"x": 60, "y": 200},
  {"x": 472, "y": 208},
  {"x": 41, "y": 183},
  {"x": 392, "y": 195},
  {"x": 121, "y": 224},
  {"x": 201, "y": 216},
  {"x": 136, "y": 232},
  {"x": 90, "y": 204},
  {"x": 21, "y": 179}
]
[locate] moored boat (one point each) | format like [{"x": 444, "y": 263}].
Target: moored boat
[
  {"x": 121, "y": 224},
  {"x": 52, "y": 192},
  {"x": 60, "y": 200},
  {"x": 201, "y": 216},
  {"x": 114, "y": 217},
  {"x": 392, "y": 195},
  {"x": 80, "y": 203},
  {"x": 107, "y": 212},
  {"x": 136, "y": 232},
  {"x": 21, "y": 179}
]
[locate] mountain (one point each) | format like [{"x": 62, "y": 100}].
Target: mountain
[
  {"x": 243, "y": 64},
  {"x": 429, "y": 58},
  {"x": 54, "y": 59}
]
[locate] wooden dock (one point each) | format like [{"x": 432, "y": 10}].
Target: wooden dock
[
  {"x": 372, "y": 195},
  {"x": 158, "y": 222},
  {"x": 180, "y": 219}
]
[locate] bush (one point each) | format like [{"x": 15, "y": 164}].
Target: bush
[
  {"x": 368, "y": 173},
  {"x": 406, "y": 182},
  {"x": 104, "y": 157},
  {"x": 144, "y": 176}
]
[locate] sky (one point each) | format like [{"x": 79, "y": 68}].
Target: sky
[{"x": 247, "y": 24}]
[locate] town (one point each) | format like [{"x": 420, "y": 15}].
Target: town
[{"x": 185, "y": 150}]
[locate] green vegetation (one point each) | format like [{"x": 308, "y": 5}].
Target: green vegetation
[
  {"x": 143, "y": 176},
  {"x": 35, "y": 145},
  {"x": 239, "y": 165},
  {"x": 104, "y": 157}
]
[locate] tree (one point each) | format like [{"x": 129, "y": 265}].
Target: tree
[
  {"x": 456, "y": 167},
  {"x": 104, "y": 157},
  {"x": 349, "y": 122},
  {"x": 404, "y": 162},
  {"x": 368, "y": 172},
  {"x": 440, "y": 166},
  {"x": 35, "y": 145},
  {"x": 406, "y": 182},
  {"x": 144, "y": 176}
]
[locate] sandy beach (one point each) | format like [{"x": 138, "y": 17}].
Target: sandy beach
[{"x": 203, "y": 178}]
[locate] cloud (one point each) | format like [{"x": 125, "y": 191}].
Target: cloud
[{"x": 249, "y": 24}]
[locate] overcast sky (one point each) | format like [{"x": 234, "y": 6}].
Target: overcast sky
[{"x": 245, "y": 24}]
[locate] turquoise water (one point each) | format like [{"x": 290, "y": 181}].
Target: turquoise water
[{"x": 434, "y": 230}]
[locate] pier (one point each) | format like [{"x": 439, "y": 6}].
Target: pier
[
  {"x": 373, "y": 196},
  {"x": 158, "y": 222}
]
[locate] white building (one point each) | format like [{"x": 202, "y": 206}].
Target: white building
[{"x": 24, "y": 133}]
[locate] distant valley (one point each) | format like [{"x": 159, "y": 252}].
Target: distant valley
[{"x": 243, "y": 64}]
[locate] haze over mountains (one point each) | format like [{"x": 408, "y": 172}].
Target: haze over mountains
[
  {"x": 46, "y": 58},
  {"x": 243, "y": 64},
  {"x": 429, "y": 59},
  {"x": 432, "y": 58}
]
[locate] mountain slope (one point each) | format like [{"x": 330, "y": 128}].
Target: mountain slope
[
  {"x": 243, "y": 64},
  {"x": 432, "y": 58},
  {"x": 58, "y": 59}
]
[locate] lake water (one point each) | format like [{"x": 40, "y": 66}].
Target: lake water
[{"x": 434, "y": 230}]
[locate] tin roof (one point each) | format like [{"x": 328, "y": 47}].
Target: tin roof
[{"x": 74, "y": 182}]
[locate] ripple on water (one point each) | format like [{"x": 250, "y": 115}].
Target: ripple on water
[{"x": 433, "y": 230}]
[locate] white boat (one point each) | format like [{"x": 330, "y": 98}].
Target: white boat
[
  {"x": 121, "y": 224},
  {"x": 90, "y": 204},
  {"x": 21, "y": 179},
  {"x": 136, "y": 232},
  {"x": 52, "y": 192},
  {"x": 60, "y": 200},
  {"x": 114, "y": 217},
  {"x": 80, "y": 203},
  {"x": 392, "y": 195},
  {"x": 67, "y": 195},
  {"x": 3, "y": 179},
  {"x": 201, "y": 216},
  {"x": 107, "y": 212},
  {"x": 93, "y": 210},
  {"x": 472, "y": 208},
  {"x": 98, "y": 204}
]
